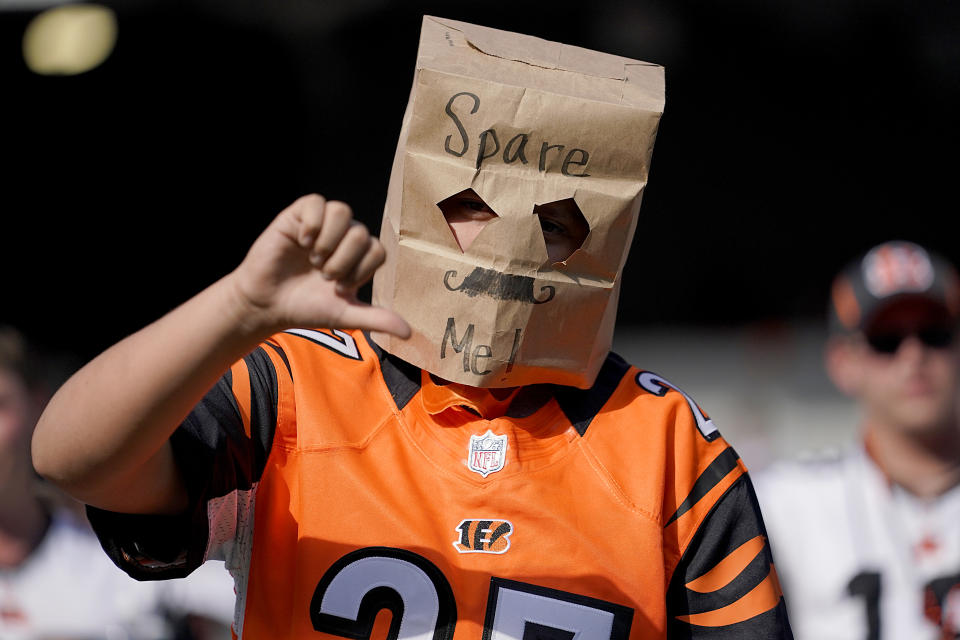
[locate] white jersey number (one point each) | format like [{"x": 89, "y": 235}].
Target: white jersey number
[
  {"x": 362, "y": 583},
  {"x": 339, "y": 341},
  {"x": 658, "y": 386}
]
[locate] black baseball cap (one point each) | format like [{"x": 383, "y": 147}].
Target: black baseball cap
[{"x": 891, "y": 273}]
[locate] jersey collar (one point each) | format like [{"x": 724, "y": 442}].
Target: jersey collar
[{"x": 439, "y": 395}]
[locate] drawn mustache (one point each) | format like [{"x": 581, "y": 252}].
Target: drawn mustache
[{"x": 500, "y": 286}]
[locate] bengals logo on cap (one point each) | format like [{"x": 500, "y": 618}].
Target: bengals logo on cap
[
  {"x": 897, "y": 267},
  {"x": 886, "y": 272}
]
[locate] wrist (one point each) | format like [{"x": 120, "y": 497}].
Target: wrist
[{"x": 253, "y": 322}]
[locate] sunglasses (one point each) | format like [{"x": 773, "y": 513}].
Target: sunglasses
[{"x": 888, "y": 343}]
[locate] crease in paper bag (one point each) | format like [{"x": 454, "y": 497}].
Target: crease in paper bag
[{"x": 536, "y": 52}]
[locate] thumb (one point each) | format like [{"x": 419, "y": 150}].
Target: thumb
[{"x": 367, "y": 317}]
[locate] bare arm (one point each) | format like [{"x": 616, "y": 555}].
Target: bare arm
[{"x": 104, "y": 435}]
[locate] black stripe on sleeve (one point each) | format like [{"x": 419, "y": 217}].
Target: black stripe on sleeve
[
  {"x": 401, "y": 377},
  {"x": 212, "y": 438},
  {"x": 283, "y": 356},
  {"x": 713, "y": 474},
  {"x": 215, "y": 457},
  {"x": 733, "y": 521},
  {"x": 582, "y": 405},
  {"x": 752, "y": 575},
  {"x": 264, "y": 394}
]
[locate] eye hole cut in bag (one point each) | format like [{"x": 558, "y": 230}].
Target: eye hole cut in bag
[
  {"x": 466, "y": 214},
  {"x": 563, "y": 224},
  {"x": 564, "y": 228}
]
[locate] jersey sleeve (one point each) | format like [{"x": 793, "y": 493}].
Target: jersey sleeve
[
  {"x": 221, "y": 450},
  {"x": 721, "y": 581},
  {"x": 725, "y": 585}
]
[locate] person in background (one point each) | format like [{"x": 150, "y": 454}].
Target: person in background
[
  {"x": 868, "y": 545},
  {"x": 55, "y": 581}
]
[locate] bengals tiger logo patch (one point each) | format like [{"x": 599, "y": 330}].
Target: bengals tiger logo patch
[{"x": 483, "y": 536}]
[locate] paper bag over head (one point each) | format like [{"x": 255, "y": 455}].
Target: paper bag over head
[{"x": 525, "y": 124}]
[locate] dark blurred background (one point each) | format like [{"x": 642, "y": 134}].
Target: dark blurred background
[{"x": 795, "y": 134}]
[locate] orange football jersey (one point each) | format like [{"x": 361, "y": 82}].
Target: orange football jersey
[{"x": 353, "y": 495}]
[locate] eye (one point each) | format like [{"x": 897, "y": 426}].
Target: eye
[
  {"x": 551, "y": 226},
  {"x": 466, "y": 205},
  {"x": 564, "y": 228},
  {"x": 466, "y": 214},
  {"x": 475, "y": 205}
]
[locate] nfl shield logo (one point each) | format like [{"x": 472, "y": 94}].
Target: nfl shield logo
[{"x": 487, "y": 454}]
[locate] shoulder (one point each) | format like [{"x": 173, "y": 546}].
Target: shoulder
[
  {"x": 657, "y": 443},
  {"x": 633, "y": 403},
  {"x": 817, "y": 475},
  {"x": 338, "y": 385},
  {"x": 302, "y": 349},
  {"x": 812, "y": 526},
  {"x": 798, "y": 496},
  {"x": 320, "y": 358}
]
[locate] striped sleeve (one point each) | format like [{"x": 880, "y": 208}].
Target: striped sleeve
[
  {"x": 724, "y": 584},
  {"x": 221, "y": 450}
]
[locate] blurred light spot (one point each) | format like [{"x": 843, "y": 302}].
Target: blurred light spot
[{"x": 70, "y": 39}]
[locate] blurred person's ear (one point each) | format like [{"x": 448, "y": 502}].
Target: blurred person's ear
[{"x": 842, "y": 361}]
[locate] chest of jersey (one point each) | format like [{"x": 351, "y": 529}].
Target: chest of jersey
[{"x": 456, "y": 541}]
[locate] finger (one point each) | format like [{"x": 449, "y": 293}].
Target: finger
[
  {"x": 349, "y": 252},
  {"x": 370, "y": 318},
  {"x": 337, "y": 218},
  {"x": 365, "y": 267},
  {"x": 309, "y": 210}
]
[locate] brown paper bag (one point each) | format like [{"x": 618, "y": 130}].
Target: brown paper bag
[{"x": 523, "y": 122}]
